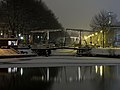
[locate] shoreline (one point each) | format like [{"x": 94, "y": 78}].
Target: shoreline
[{"x": 17, "y": 56}]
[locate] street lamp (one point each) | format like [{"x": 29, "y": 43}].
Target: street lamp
[
  {"x": 109, "y": 23},
  {"x": 1, "y": 33},
  {"x": 21, "y": 37},
  {"x": 38, "y": 37},
  {"x": 96, "y": 33}
]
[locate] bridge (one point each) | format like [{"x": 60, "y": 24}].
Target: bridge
[
  {"x": 46, "y": 48},
  {"x": 47, "y": 51}
]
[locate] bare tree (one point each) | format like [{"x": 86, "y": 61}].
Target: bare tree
[
  {"x": 25, "y": 15},
  {"x": 103, "y": 20}
]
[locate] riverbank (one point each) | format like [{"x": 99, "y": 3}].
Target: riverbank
[
  {"x": 11, "y": 53},
  {"x": 17, "y": 56}
]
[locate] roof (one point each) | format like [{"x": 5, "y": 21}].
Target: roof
[
  {"x": 46, "y": 30},
  {"x": 82, "y": 30}
]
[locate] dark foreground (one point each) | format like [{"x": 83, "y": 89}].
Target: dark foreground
[{"x": 79, "y": 77}]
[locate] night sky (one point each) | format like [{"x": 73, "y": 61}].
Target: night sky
[{"x": 78, "y": 13}]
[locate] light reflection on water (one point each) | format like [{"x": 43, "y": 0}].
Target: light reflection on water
[{"x": 61, "y": 78}]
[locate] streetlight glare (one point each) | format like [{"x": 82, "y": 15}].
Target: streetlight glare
[
  {"x": 19, "y": 35},
  {"x": 92, "y": 34},
  {"x": 1, "y": 33},
  {"x": 38, "y": 36},
  {"x": 98, "y": 40},
  {"x": 21, "y": 38},
  {"x": 101, "y": 31},
  {"x": 85, "y": 37},
  {"x": 96, "y": 33}
]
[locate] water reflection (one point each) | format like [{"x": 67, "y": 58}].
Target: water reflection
[{"x": 98, "y": 77}]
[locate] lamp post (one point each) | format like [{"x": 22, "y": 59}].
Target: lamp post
[
  {"x": 80, "y": 42},
  {"x": 109, "y": 17},
  {"x": 103, "y": 38}
]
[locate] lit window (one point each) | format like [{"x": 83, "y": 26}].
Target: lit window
[{"x": 12, "y": 43}]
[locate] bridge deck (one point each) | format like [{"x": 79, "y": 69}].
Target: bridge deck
[
  {"x": 54, "y": 48},
  {"x": 47, "y": 51}
]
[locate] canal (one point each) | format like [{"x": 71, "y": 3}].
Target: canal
[{"x": 83, "y": 77}]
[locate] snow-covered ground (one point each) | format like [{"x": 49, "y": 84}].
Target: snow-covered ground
[
  {"x": 105, "y": 51},
  {"x": 55, "y": 61}
]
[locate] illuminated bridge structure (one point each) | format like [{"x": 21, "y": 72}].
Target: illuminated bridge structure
[{"x": 46, "y": 48}]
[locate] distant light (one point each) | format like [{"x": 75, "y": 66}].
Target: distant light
[
  {"x": 101, "y": 31},
  {"x": 101, "y": 70},
  {"x": 38, "y": 36},
  {"x": 96, "y": 33},
  {"x": 9, "y": 70},
  {"x": 1, "y": 33},
  {"x": 79, "y": 73},
  {"x": 85, "y": 37},
  {"x": 98, "y": 40},
  {"x": 42, "y": 78},
  {"x": 21, "y": 71},
  {"x": 96, "y": 68},
  {"x": 109, "y": 13},
  {"x": 48, "y": 74},
  {"x": 21, "y": 37},
  {"x": 92, "y": 34},
  {"x": 14, "y": 69}
]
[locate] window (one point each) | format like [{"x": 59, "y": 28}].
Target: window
[{"x": 12, "y": 43}]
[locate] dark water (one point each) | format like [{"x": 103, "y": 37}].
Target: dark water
[{"x": 61, "y": 78}]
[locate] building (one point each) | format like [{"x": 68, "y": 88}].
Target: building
[{"x": 108, "y": 38}]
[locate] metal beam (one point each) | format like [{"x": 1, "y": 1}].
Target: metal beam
[
  {"x": 82, "y": 30},
  {"x": 115, "y": 26},
  {"x": 45, "y": 30}
]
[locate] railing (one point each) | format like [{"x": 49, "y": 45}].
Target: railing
[{"x": 14, "y": 50}]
